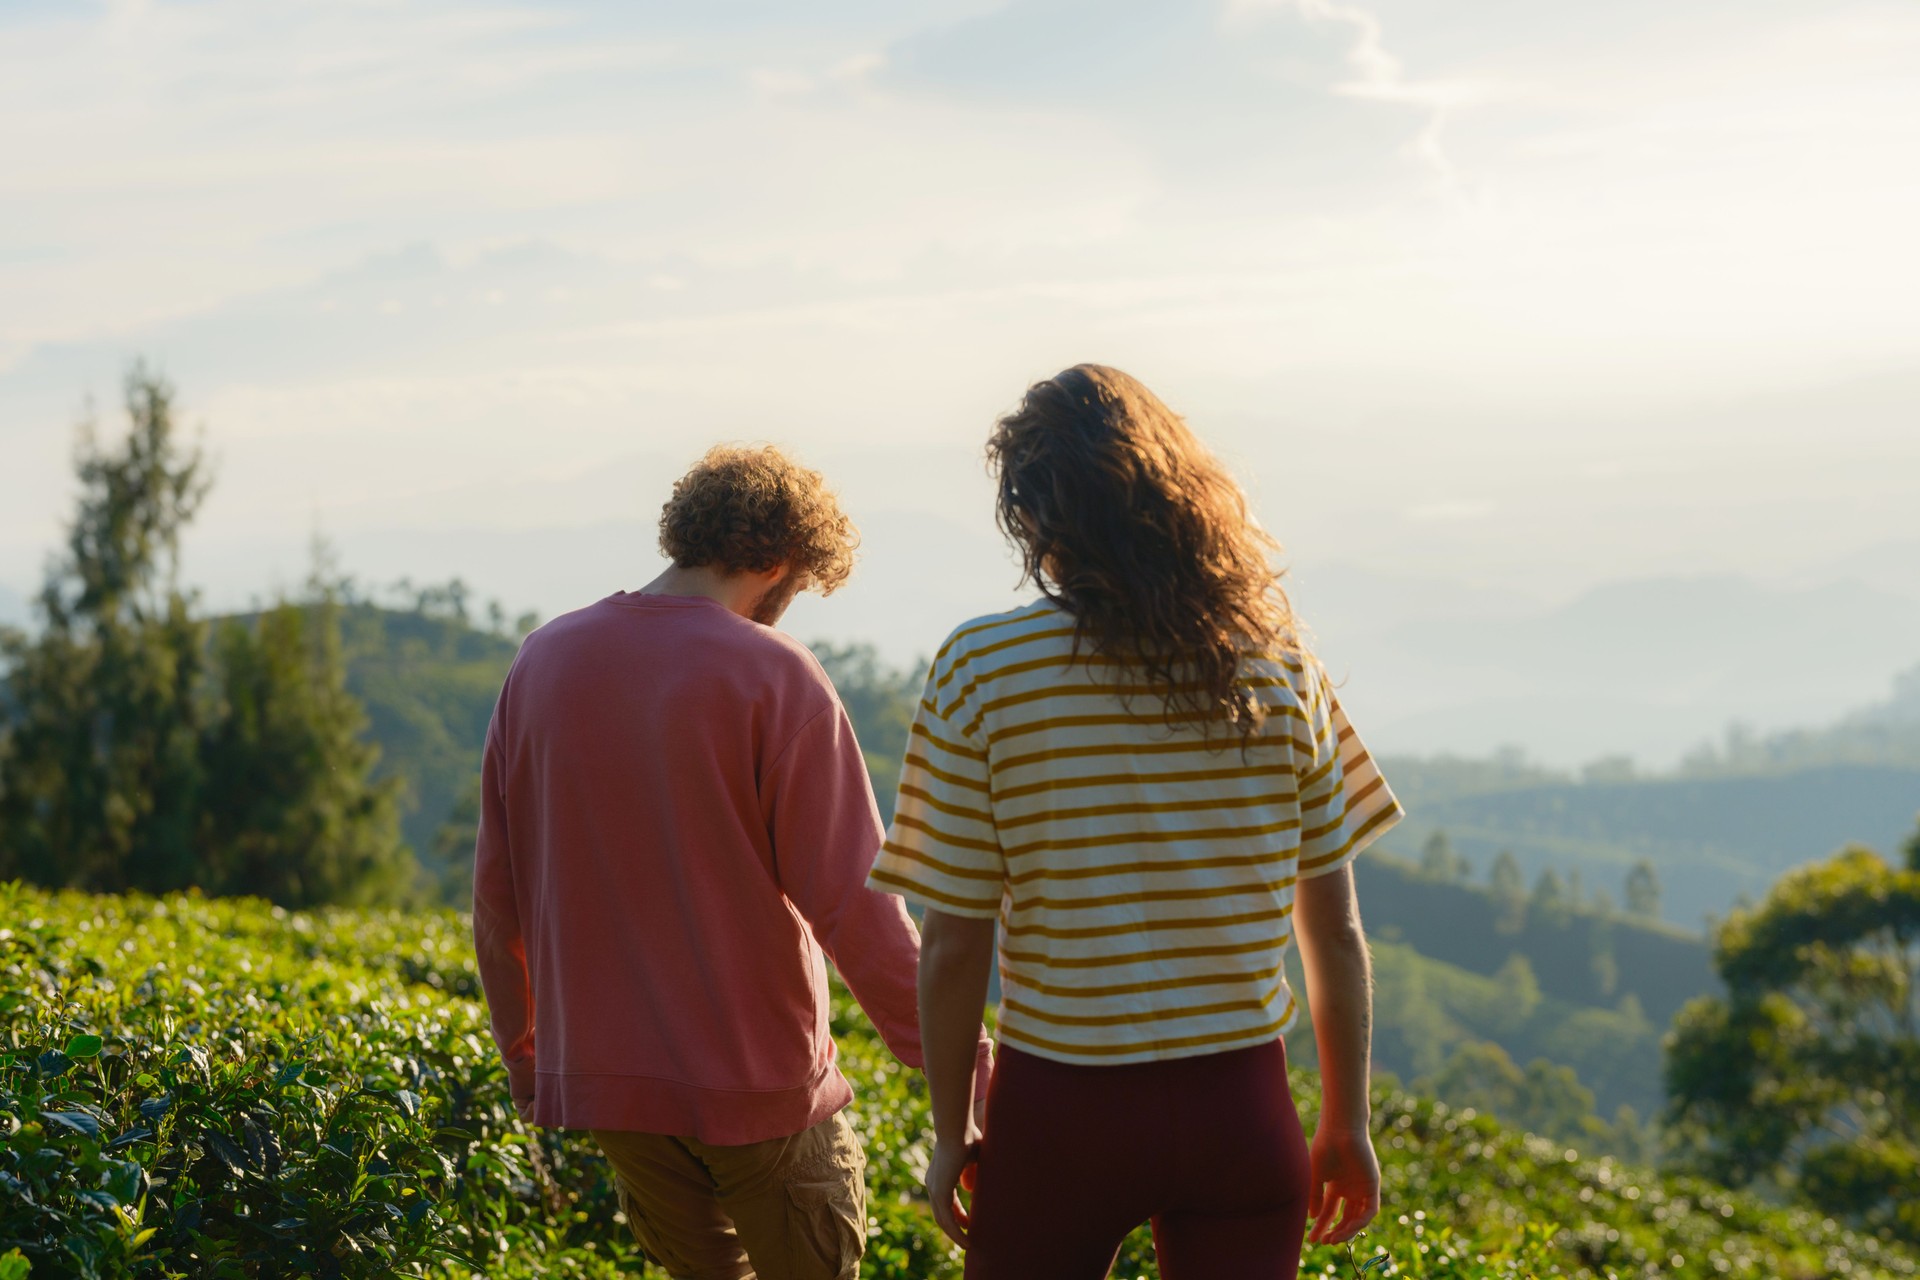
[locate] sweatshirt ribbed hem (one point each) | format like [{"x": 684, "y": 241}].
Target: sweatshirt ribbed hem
[{"x": 723, "y": 1117}]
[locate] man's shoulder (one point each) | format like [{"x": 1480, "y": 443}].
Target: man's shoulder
[
  {"x": 564, "y": 629},
  {"x": 786, "y": 658},
  {"x": 753, "y": 660}
]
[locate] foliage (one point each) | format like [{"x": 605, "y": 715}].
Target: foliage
[
  {"x": 1438, "y": 861},
  {"x": 1643, "y": 889},
  {"x": 1589, "y": 957},
  {"x": 1425, "y": 1012},
  {"x": 1886, "y": 733},
  {"x": 137, "y": 754},
  {"x": 880, "y": 701},
  {"x": 249, "y": 1092},
  {"x": 428, "y": 682},
  {"x": 290, "y": 812},
  {"x": 1544, "y": 1098},
  {"x": 1712, "y": 836},
  {"x": 1808, "y": 1073},
  {"x": 102, "y": 712}
]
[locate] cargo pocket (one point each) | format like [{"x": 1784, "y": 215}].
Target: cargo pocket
[{"x": 827, "y": 1224}]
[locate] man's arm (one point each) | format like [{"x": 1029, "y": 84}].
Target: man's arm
[
  {"x": 498, "y": 946},
  {"x": 1345, "y": 1190},
  {"x": 956, "y": 960},
  {"x": 826, "y": 830}
]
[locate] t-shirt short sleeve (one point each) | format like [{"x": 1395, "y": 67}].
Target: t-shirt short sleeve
[
  {"x": 942, "y": 850},
  {"x": 1345, "y": 803}
]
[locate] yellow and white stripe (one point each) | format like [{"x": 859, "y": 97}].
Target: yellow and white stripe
[{"x": 1142, "y": 875}]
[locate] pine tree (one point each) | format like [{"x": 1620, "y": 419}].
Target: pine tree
[
  {"x": 134, "y": 754},
  {"x": 1509, "y": 892},
  {"x": 292, "y": 813},
  {"x": 1643, "y": 889},
  {"x": 1438, "y": 860},
  {"x": 102, "y": 780}
]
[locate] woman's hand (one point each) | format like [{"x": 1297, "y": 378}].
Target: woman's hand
[
  {"x": 1344, "y": 1188},
  {"x": 951, "y": 1166}
]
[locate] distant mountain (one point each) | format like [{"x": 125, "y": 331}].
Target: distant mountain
[
  {"x": 1893, "y": 567},
  {"x": 1712, "y": 840},
  {"x": 1646, "y": 668}
]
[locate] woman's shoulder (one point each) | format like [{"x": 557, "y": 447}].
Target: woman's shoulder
[
  {"x": 994, "y": 632},
  {"x": 1289, "y": 669}
]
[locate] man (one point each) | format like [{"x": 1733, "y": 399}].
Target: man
[{"x": 676, "y": 822}]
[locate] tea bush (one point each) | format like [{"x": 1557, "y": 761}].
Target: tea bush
[{"x": 212, "y": 1089}]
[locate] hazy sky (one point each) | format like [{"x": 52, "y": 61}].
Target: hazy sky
[{"x": 1525, "y": 294}]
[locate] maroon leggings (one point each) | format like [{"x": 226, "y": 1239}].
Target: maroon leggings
[{"x": 1075, "y": 1157}]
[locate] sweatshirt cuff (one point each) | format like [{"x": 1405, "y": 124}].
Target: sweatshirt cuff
[
  {"x": 520, "y": 1082},
  {"x": 982, "y": 1067}
]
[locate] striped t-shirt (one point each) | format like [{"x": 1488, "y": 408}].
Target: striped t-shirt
[{"x": 1142, "y": 874}]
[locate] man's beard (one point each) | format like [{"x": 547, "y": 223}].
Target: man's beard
[{"x": 767, "y": 610}]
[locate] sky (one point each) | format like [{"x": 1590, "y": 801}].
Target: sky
[{"x": 1495, "y": 311}]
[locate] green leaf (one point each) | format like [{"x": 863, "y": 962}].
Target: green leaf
[
  {"x": 14, "y": 1266},
  {"x": 222, "y": 1149},
  {"x": 123, "y": 1181},
  {"x": 84, "y": 1047},
  {"x": 78, "y": 1121},
  {"x": 139, "y": 1133}
]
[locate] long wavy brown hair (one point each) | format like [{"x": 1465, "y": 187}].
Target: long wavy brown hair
[{"x": 1124, "y": 519}]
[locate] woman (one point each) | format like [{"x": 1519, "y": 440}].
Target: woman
[{"x": 1148, "y": 783}]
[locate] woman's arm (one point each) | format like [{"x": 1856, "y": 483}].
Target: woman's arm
[
  {"x": 956, "y": 959},
  {"x": 1345, "y": 1191}
]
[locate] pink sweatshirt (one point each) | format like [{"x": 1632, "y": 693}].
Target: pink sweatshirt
[{"x": 675, "y": 823}]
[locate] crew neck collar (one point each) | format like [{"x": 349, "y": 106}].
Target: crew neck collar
[{"x": 651, "y": 599}]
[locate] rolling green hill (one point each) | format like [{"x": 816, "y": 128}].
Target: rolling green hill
[
  {"x": 1578, "y": 955},
  {"x": 428, "y": 681}
]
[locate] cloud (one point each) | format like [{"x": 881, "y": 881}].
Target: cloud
[{"x": 1377, "y": 75}]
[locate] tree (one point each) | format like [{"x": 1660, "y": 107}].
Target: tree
[
  {"x": 1519, "y": 992},
  {"x": 453, "y": 848},
  {"x": 1438, "y": 861},
  {"x": 291, "y": 811},
  {"x": 1509, "y": 891},
  {"x": 137, "y": 754},
  {"x": 880, "y": 700},
  {"x": 103, "y": 709},
  {"x": 1545, "y": 1098},
  {"x": 1550, "y": 900},
  {"x": 1808, "y": 1074},
  {"x": 1643, "y": 889}
]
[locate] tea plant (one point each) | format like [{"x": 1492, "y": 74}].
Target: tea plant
[{"x": 200, "y": 1089}]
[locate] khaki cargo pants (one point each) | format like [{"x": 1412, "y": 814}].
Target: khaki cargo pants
[{"x": 787, "y": 1209}]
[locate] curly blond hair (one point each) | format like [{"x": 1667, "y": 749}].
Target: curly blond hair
[{"x": 752, "y": 509}]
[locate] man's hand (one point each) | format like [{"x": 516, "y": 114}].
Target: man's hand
[
  {"x": 1344, "y": 1188},
  {"x": 951, "y": 1167}
]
